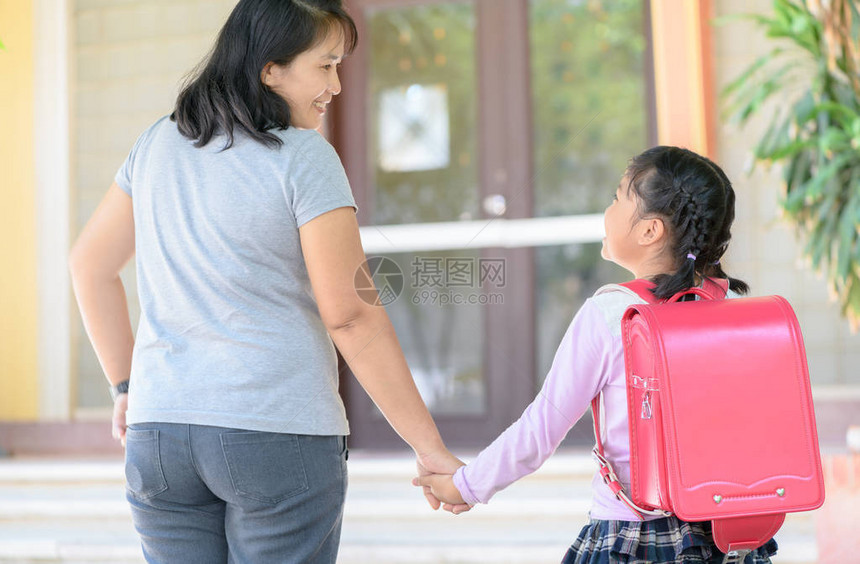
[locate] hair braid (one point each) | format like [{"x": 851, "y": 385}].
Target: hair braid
[{"x": 696, "y": 199}]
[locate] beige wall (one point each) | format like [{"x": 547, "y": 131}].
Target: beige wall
[
  {"x": 128, "y": 60},
  {"x": 764, "y": 250}
]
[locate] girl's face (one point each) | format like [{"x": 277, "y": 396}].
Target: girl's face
[
  {"x": 309, "y": 82},
  {"x": 620, "y": 218}
]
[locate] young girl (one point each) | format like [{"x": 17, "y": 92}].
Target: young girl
[{"x": 669, "y": 223}]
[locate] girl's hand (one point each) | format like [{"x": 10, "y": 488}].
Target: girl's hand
[
  {"x": 440, "y": 462},
  {"x": 456, "y": 509},
  {"x": 442, "y": 487},
  {"x": 118, "y": 426}
]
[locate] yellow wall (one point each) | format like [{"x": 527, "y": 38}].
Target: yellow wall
[{"x": 18, "y": 292}]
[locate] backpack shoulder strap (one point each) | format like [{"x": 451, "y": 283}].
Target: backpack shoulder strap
[
  {"x": 638, "y": 288},
  {"x": 717, "y": 287},
  {"x": 642, "y": 289},
  {"x": 610, "y": 478}
]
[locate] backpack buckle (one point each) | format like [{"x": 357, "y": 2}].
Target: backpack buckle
[
  {"x": 646, "y": 406},
  {"x": 735, "y": 556},
  {"x": 647, "y": 384}
]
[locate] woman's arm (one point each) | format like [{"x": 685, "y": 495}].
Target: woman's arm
[
  {"x": 365, "y": 336},
  {"x": 103, "y": 248}
]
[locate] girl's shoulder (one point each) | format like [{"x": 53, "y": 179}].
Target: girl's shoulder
[{"x": 612, "y": 301}]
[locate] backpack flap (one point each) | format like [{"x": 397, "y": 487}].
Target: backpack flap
[{"x": 736, "y": 434}]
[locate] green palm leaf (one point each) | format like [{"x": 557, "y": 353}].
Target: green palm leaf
[{"x": 817, "y": 138}]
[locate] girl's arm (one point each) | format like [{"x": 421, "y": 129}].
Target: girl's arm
[
  {"x": 365, "y": 336},
  {"x": 580, "y": 369},
  {"x": 103, "y": 248}
]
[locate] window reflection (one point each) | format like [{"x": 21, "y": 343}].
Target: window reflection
[
  {"x": 422, "y": 138},
  {"x": 439, "y": 320},
  {"x": 413, "y": 128},
  {"x": 422, "y": 143},
  {"x": 589, "y": 100}
]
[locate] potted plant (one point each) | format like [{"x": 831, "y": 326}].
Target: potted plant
[{"x": 814, "y": 70}]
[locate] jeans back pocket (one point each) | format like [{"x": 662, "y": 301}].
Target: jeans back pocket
[
  {"x": 265, "y": 467},
  {"x": 143, "y": 473}
]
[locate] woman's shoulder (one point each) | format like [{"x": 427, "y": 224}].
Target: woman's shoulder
[
  {"x": 307, "y": 152},
  {"x": 303, "y": 140},
  {"x": 160, "y": 122},
  {"x": 152, "y": 130}
]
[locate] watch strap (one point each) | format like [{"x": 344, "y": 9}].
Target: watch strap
[{"x": 121, "y": 388}]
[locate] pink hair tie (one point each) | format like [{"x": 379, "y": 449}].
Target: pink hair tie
[{"x": 691, "y": 256}]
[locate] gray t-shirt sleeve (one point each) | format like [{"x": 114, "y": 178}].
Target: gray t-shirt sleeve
[
  {"x": 317, "y": 182},
  {"x": 124, "y": 175}
]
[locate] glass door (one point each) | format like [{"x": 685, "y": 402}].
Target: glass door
[
  {"x": 481, "y": 157},
  {"x": 409, "y": 128},
  {"x": 422, "y": 164}
]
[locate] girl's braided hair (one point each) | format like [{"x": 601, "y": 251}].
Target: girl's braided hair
[{"x": 695, "y": 199}]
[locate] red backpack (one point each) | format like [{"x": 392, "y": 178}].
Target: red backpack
[{"x": 720, "y": 412}]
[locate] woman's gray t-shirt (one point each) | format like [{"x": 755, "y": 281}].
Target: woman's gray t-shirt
[{"x": 230, "y": 334}]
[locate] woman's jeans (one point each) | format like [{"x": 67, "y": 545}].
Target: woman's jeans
[{"x": 214, "y": 495}]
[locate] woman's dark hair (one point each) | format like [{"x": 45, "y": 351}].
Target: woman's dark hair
[
  {"x": 695, "y": 199},
  {"x": 225, "y": 91}
]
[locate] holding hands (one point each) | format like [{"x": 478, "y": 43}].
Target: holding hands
[{"x": 436, "y": 477}]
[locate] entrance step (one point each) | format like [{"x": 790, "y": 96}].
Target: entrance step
[{"x": 74, "y": 512}]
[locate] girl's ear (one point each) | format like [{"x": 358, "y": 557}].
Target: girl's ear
[{"x": 654, "y": 231}]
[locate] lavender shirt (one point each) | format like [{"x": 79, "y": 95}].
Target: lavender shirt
[{"x": 589, "y": 359}]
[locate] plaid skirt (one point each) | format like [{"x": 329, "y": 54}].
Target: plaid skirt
[{"x": 666, "y": 540}]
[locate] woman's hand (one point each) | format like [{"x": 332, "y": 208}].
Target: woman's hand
[
  {"x": 435, "y": 464},
  {"x": 118, "y": 426}
]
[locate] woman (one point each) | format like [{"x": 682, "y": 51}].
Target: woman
[{"x": 246, "y": 242}]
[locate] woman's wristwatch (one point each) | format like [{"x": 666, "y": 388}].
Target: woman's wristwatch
[{"x": 121, "y": 388}]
